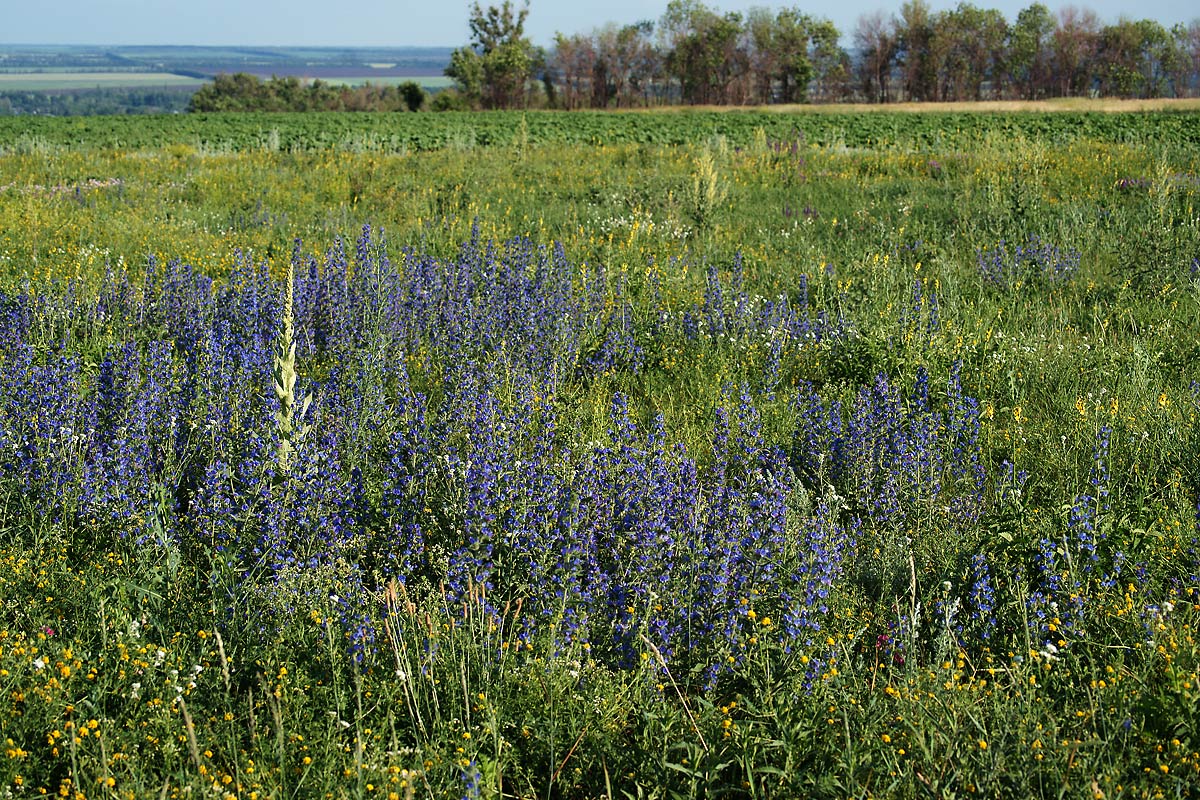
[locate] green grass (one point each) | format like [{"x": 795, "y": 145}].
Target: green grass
[{"x": 97, "y": 630}]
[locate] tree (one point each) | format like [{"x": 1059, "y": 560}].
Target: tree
[
  {"x": 466, "y": 68},
  {"x": 791, "y": 54},
  {"x": 494, "y": 70},
  {"x": 413, "y": 95},
  {"x": 629, "y": 59},
  {"x": 760, "y": 30},
  {"x": 1074, "y": 47},
  {"x": 794, "y": 68},
  {"x": 238, "y": 92},
  {"x": 572, "y": 64},
  {"x": 1134, "y": 58},
  {"x": 1030, "y": 51},
  {"x": 915, "y": 33},
  {"x": 704, "y": 53},
  {"x": 966, "y": 51},
  {"x": 830, "y": 63},
  {"x": 1187, "y": 77},
  {"x": 876, "y": 41}
]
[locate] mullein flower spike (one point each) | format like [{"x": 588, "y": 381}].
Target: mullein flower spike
[{"x": 285, "y": 380}]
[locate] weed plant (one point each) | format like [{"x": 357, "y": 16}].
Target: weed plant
[{"x": 618, "y": 471}]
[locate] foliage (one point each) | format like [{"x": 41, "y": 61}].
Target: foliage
[
  {"x": 493, "y": 72},
  {"x": 703, "y": 56},
  {"x": 244, "y": 92},
  {"x": 94, "y": 101},
  {"x": 1029, "y": 59},
  {"x": 400, "y": 133},
  {"x": 413, "y": 95},
  {"x": 746, "y": 466}
]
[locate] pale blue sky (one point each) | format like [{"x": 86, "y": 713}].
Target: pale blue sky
[{"x": 405, "y": 22}]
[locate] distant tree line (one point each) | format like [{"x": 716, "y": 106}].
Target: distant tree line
[
  {"x": 970, "y": 53},
  {"x": 700, "y": 56},
  {"x": 244, "y": 92},
  {"x": 697, "y": 55},
  {"x": 83, "y": 102}
]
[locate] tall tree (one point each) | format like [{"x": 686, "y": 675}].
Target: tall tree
[
  {"x": 967, "y": 49},
  {"x": 762, "y": 52},
  {"x": 915, "y": 32},
  {"x": 1132, "y": 57},
  {"x": 790, "y": 45},
  {"x": 790, "y": 54},
  {"x": 573, "y": 62},
  {"x": 494, "y": 70},
  {"x": 830, "y": 62},
  {"x": 1187, "y": 80},
  {"x": 705, "y": 53},
  {"x": 1030, "y": 51},
  {"x": 876, "y": 41},
  {"x": 1074, "y": 46},
  {"x": 630, "y": 62}
]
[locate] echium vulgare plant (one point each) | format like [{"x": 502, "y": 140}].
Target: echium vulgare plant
[
  {"x": 897, "y": 459},
  {"x": 1071, "y": 571},
  {"x": 447, "y": 470},
  {"x": 1034, "y": 263}
]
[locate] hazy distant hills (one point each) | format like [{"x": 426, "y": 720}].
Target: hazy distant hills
[
  {"x": 66, "y": 80},
  {"x": 349, "y": 64}
]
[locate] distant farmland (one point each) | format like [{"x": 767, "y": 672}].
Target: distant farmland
[
  {"x": 427, "y": 81},
  {"x": 65, "y": 80},
  {"x": 344, "y": 73},
  {"x": 64, "y": 68},
  {"x": 357, "y": 75},
  {"x": 55, "y": 81}
]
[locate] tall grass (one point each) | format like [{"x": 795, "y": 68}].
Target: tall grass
[{"x": 791, "y": 471}]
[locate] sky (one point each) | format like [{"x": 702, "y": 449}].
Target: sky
[{"x": 419, "y": 23}]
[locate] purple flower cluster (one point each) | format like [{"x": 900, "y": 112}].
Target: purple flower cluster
[
  {"x": 921, "y": 319},
  {"x": 431, "y": 456},
  {"x": 434, "y": 459},
  {"x": 1070, "y": 570},
  {"x": 895, "y": 458},
  {"x": 729, "y": 314},
  {"x": 1035, "y": 262},
  {"x": 1133, "y": 183}
]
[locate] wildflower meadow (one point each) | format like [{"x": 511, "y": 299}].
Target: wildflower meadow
[{"x": 743, "y": 465}]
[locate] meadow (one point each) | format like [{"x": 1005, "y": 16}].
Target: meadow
[{"x": 646, "y": 455}]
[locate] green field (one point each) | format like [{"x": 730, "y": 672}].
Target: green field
[
  {"x": 922, "y": 131},
  {"x": 60, "y": 80},
  {"x": 428, "y": 81},
  {"x": 662, "y": 455}
]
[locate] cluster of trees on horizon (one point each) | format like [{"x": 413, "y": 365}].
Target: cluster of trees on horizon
[
  {"x": 94, "y": 102},
  {"x": 696, "y": 54},
  {"x": 244, "y": 92}
]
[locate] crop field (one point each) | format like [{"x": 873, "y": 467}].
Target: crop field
[
  {"x": 64, "y": 80},
  {"x": 67, "y": 80},
  {"x": 576, "y": 456},
  {"x": 351, "y": 78},
  {"x": 399, "y": 134}
]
